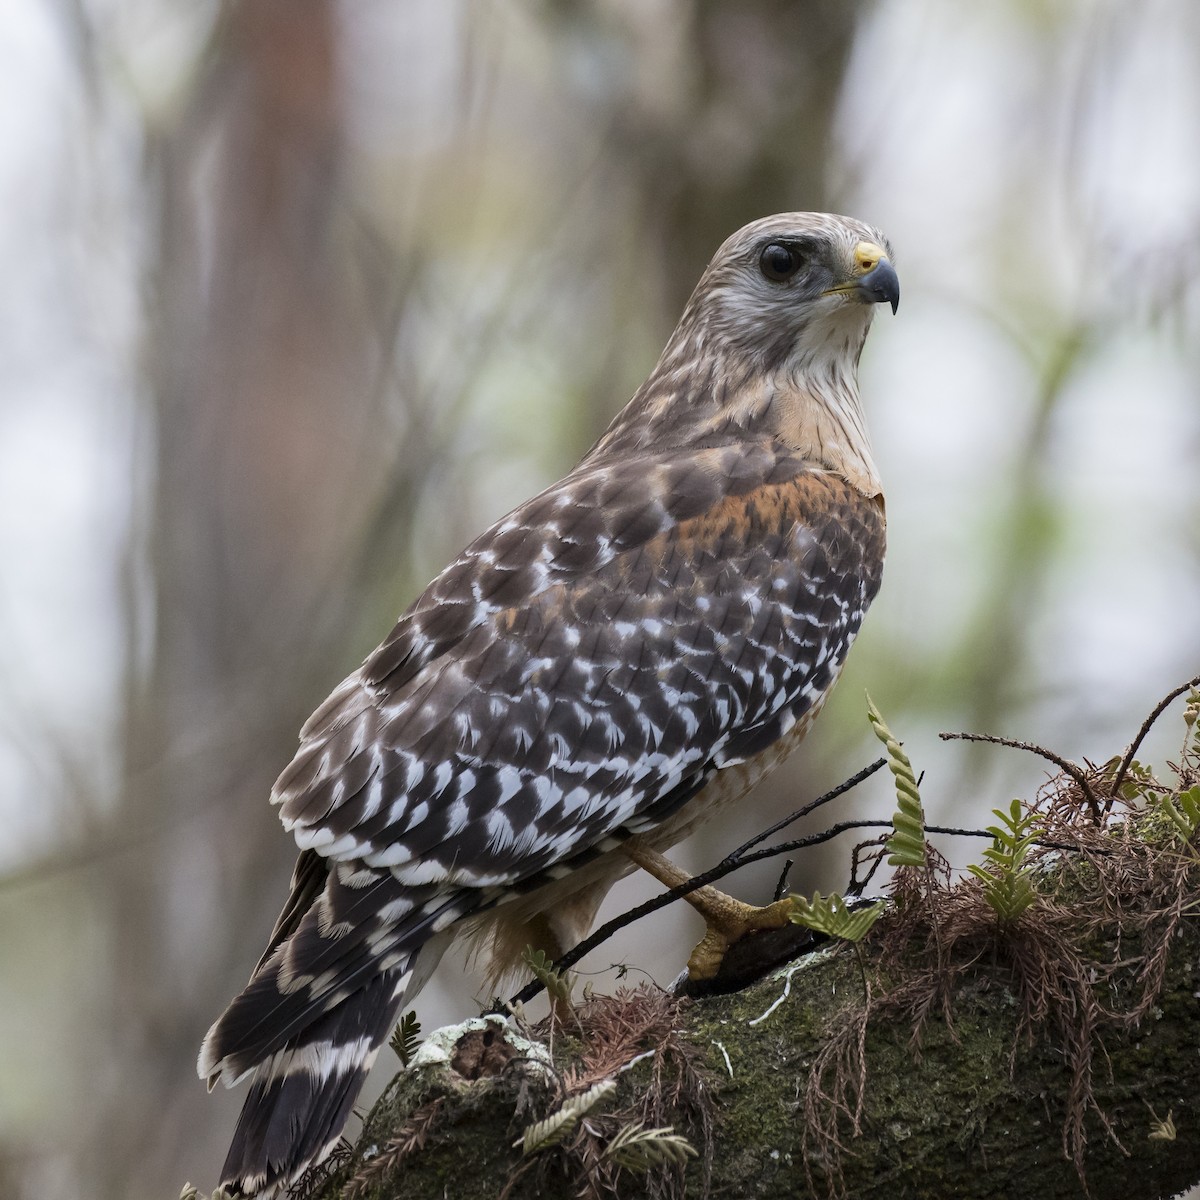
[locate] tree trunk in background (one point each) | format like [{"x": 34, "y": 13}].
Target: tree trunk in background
[
  {"x": 742, "y": 129},
  {"x": 264, "y": 455}
]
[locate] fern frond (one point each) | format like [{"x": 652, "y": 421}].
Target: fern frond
[
  {"x": 1139, "y": 779},
  {"x": 638, "y": 1149},
  {"x": 833, "y": 917},
  {"x": 1183, "y": 811},
  {"x": 543, "y": 1134},
  {"x": 557, "y": 983},
  {"x": 406, "y": 1037},
  {"x": 1007, "y": 880},
  {"x": 906, "y": 846}
]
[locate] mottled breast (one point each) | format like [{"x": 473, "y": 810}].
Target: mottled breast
[{"x": 588, "y": 665}]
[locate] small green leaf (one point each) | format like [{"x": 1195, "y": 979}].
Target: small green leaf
[
  {"x": 639, "y": 1149},
  {"x": 557, "y": 983},
  {"x": 1189, "y": 801},
  {"x": 833, "y": 917},
  {"x": 406, "y": 1037},
  {"x": 1183, "y": 811}
]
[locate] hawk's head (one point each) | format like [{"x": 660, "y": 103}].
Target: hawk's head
[
  {"x": 768, "y": 346},
  {"x": 794, "y": 289}
]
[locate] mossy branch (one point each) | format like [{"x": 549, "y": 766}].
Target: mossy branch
[
  {"x": 1033, "y": 1054},
  {"x": 977, "y": 1114}
]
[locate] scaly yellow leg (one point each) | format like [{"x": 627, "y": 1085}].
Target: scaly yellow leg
[{"x": 728, "y": 920}]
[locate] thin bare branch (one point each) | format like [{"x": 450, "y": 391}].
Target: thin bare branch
[
  {"x": 812, "y": 806},
  {"x": 1147, "y": 724},
  {"x": 1075, "y": 772}
]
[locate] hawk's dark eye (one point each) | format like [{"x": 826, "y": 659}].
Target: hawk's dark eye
[{"x": 779, "y": 263}]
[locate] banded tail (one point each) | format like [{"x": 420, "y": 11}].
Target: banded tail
[
  {"x": 301, "y": 1096},
  {"x": 347, "y": 951}
]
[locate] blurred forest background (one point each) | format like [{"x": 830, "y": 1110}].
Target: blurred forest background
[{"x": 297, "y": 296}]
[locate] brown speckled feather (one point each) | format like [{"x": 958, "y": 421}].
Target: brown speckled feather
[{"x": 712, "y": 599}]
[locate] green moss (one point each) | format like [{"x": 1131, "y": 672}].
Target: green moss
[{"x": 948, "y": 1115}]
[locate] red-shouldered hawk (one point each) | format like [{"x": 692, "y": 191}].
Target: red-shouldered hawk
[{"x": 591, "y": 678}]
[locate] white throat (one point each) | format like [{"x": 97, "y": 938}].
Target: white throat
[{"x": 817, "y": 401}]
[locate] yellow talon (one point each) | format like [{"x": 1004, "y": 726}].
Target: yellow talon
[
  {"x": 732, "y": 922},
  {"x": 727, "y": 920}
]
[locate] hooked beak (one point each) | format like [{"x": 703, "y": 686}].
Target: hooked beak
[{"x": 873, "y": 279}]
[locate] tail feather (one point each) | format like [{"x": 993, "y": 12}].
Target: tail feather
[
  {"x": 308, "y": 1025},
  {"x": 302, "y": 1095},
  {"x": 311, "y": 973},
  {"x": 265, "y": 1020}
]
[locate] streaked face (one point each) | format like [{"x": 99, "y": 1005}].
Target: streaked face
[{"x": 796, "y": 280}]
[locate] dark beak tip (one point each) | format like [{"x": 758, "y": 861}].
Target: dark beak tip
[{"x": 883, "y": 285}]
